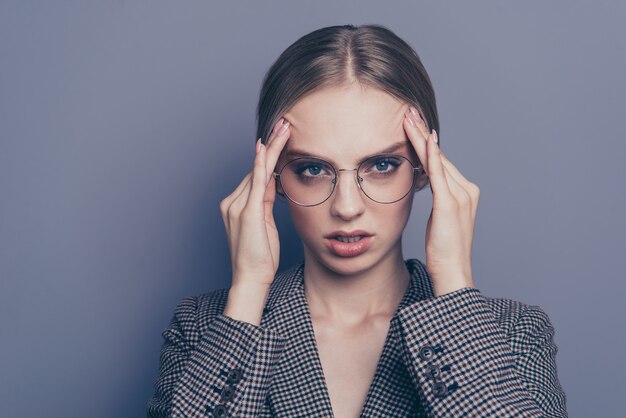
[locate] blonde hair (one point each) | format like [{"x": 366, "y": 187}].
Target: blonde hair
[{"x": 332, "y": 56}]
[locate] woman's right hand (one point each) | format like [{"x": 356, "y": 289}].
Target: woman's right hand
[{"x": 248, "y": 217}]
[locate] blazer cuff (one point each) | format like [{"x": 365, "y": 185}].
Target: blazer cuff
[
  {"x": 233, "y": 360},
  {"x": 459, "y": 358}
]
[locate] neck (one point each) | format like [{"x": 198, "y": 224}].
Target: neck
[{"x": 351, "y": 299}]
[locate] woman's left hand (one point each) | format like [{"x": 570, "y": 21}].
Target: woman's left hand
[{"x": 450, "y": 228}]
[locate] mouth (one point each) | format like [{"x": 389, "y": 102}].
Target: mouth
[
  {"x": 348, "y": 244},
  {"x": 344, "y": 238}
]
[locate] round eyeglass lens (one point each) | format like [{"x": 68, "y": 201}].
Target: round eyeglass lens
[
  {"x": 307, "y": 181},
  {"x": 386, "y": 178}
]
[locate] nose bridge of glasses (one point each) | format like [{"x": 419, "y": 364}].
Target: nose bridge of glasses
[
  {"x": 341, "y": 191},
  {"x": 339, "y": 170}
]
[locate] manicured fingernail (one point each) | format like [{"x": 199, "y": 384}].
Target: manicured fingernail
[
  {"x": 435, "y": 137},
  {"x": 278, "y": 125},
  {"x": 258, "y": 145},
  {"x": 284, "y": 127},
  {"x": 410, "y": 119},
  {"x": 417, "y": 117}
]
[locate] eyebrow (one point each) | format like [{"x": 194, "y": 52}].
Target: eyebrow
[{"x": 390, "y": 149}]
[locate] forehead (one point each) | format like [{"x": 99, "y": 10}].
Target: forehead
[{"x": 344, "y": 123}]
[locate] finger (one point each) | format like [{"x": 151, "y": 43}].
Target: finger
[
  {"x": 227, "y": 202},
  {"x": 240, "y": 188},
  {"x": 234, "y": 210},
  {"x": 417, "y": 139},
  {"x": 420, "y": 122},
  {"x": 268, "y": 201},
  {"x": 415, "y": 120},
  {"x": 459, "y": 193},
  {"x": 439, "y": 185},
  {"x": 244, "y": 183},
  {"x": 275, "y": 129},
  {"x": 277, "y": 142},
  {"x": 258, "y": 181},
  {"x": 242, "y": 198},
  {"x": 465, "y": 201},
  {"x": 456, "y": 174},
  {"x": 470, "y": 188}
]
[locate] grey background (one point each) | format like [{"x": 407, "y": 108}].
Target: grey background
[{"x": 123, "y": 125}]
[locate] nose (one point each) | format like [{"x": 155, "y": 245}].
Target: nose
[{"x": 348, "y": 200}]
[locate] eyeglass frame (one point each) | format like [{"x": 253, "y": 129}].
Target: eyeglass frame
[{"x": 416, "y": 171}]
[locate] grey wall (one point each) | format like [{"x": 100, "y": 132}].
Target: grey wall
[{"x": 123, "y": 124}]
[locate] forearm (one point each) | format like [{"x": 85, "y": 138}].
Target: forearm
[
  {"x": 214, "y": 364},
  {"x": 471, "y": 367}
]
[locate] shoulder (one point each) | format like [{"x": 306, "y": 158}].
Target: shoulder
[
  {"x": 517, "y": 318},
  {"x": 522, "y": 322},
  {"x": 193, "y": 313},
  {"x": 529, "y": 332},
  {"x": 202, "y": 308},
  {"x": 206, "y": 304}
]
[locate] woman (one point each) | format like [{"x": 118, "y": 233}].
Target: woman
[{"x": 356, "y": 330}]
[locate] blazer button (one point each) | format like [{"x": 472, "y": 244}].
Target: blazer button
[
  {"x": 234, "y": 376},
  {"x": 227, "y": 393},
  {"x": 434, "y": 371},
  {"x": 220, "y": 411},
  {"x": 426, "y": 352},
  {"x": 439, "y": 389}
]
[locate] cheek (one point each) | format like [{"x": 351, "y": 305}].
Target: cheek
[
  {"x": 307, "y": 221},
  {"x": 397, "y": 215}
]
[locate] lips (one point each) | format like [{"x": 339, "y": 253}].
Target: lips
[
  {"x": 348, "y": 244},
  {"x": 348, "y": 239},
  {"x": 346, "y": 236}
]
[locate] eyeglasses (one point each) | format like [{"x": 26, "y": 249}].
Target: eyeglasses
[{"x": 384, "y": 178}]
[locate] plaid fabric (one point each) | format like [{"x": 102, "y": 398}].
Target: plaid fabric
[{"x": 457, "y": 355}]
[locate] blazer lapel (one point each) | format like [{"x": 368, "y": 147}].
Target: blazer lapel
[
  {"x": 298, "y": 387},
  {"x": 391, "y": 392}
]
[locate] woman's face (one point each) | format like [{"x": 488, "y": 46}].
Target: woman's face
[{"x": 343, "y": 125}]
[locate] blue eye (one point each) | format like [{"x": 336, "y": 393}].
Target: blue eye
[
  {"x": 381, "y": 165},
  {"x": 311, "y": 169}
]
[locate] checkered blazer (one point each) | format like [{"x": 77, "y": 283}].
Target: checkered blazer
[{"x": 461, "y": 354}]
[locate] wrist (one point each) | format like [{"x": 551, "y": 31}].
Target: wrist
[
  {"x": 448, "y": 283},
  {"x": 246, "y": 302}
]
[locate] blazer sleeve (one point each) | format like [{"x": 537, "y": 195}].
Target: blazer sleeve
[
  {"x": 220, "y": 369},
  {"x": 464, "y": 363}
]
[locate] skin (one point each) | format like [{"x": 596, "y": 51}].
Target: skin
[
  {"x": 351, "y": 300},
  {"x": 328, "y": 123}
]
